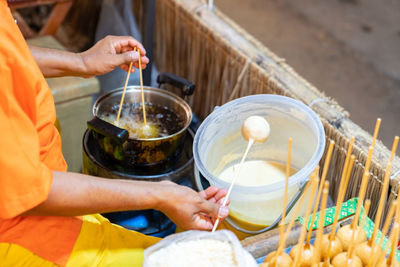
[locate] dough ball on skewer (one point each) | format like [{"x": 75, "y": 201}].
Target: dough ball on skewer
[
  {"x": 336, "y": 246},
  {"x": 322, "y": 264},
  {"x": 283, "y": 260},
  {"x": 364, "y": 252},
  {"x": 255, "y": 128},
  {"x": 307, "y": 255},
  {"x": 341, "y": 259},
  {"x": 345, "y": 234}
]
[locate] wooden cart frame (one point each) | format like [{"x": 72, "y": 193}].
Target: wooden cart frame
[{"x": 225, "y": 62}]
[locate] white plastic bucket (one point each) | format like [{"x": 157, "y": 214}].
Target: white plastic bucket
[{"x": 218, "y": 143}]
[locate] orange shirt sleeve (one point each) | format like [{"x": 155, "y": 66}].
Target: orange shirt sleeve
[
  {"x": 30, "y": 146},
  {"x": 25, "y": 180}
]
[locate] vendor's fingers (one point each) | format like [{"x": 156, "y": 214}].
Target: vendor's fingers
[
  {"x": 119, "y": 42},
  {"x": 209, "y": 208},
  {"x": 202, "y": 222},
  {"x": 138, "y": 45},
  {"x": 209, "y": 192},
  {"x": 214, "y": 210},
  {"x": 130, "y": 48},
  {"x": 128, "y": 60},
  {"x": 221, "y": 193},
  {"x": 126, "y": 49},
  {"x": 132, "y": 56},
  {"x": 214, "y": 194},
  {"x": 136, "y": 65},
  {"x": 144, "y": 60},
  {"x": 213, "y": 200},
  {"x": 125, "y": 67},
  {"x": 221, "y": 201}
]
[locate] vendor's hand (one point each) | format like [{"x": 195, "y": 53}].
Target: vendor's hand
[
  {"x": 192, "y": 210},
  {"x": 112, "y": 52}
]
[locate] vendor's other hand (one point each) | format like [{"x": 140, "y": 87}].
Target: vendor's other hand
[
  {"x": 112, "y": 52},
  {"x": 192, "y": 210}
]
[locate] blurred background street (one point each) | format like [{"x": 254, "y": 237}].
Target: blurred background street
[{"x": 349, "y": 49}]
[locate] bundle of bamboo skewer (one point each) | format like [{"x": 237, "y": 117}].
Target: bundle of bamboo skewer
[
  {"x": 347, "y": 246},
  {"x": 226, "y": 62}
]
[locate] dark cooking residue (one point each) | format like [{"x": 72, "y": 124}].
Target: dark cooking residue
[{"x": 161, "y": 121}]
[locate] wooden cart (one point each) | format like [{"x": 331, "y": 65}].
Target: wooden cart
[{"x": 225, "y": 62}]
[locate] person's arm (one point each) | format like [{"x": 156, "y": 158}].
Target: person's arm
[
  {"x": 103, "y": 57},
  {"x": 78, "y": 194}
]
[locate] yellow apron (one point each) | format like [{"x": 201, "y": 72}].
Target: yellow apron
[{"x": 100, "y": 243}]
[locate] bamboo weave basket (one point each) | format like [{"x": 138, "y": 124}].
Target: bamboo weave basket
[{"x": 225, "y": 62}]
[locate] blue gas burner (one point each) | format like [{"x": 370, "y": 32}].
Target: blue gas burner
[{"x": 148, "y": 222}]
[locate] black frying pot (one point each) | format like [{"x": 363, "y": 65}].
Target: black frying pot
[{"x": 152, "y": 154}]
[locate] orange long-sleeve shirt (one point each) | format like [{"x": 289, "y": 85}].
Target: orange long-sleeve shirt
[{"x": 30, "y": 148}]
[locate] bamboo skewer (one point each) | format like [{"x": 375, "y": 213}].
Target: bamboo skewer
[
  {"x": 367, "y": 206},
  {"x": 377, "y": 249},
  {"x": 250, "y": 143},
  {"x": 376, "y": 130},
  {"x": 380, "y": 257},
  {"x": 322, "y": 190},
  {"x": 282, "y": 242},
  {"x": 345, "y": 231},
  {"x": 383, "y": 192},
  {"x": 396, "y": 242},
  {"x": 363, "y": 188},
  {"x": 349, "y": 258},
  {"x": 292, "y": 220},
  {"x": 341, "y": 193},
  {"x": 141, "y": 88},
  {"x": 342, "y": 189},
  {"x": 365, "y": 177},
  {"x": 287, "y": 179},
  {"x": 321, "y": 220},
  {"x": 350, "y": 251},
  {"x": 393, "y": 209},
  {"x": 339, "y": 206},
  {"x": 308, "y": 210},
  {"x": 322, "y": 183},
  {"x": 392, "y": 256},
  {"x": 210, "y": 4},
  {"x": 254, "y": 129},
  {"x": 123, "y": 92},
  {"x": 282, "y": 224}
]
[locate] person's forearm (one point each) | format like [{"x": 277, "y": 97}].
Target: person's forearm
[
  {"x": 73, "y": 194},
  {"x": 106, "y": 55},
  {"x": 56, "y": 63}
]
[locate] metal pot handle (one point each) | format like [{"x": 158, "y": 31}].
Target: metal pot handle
[
  {"x": 107, "y": 129},
  {"x": 186, "y": 87}
]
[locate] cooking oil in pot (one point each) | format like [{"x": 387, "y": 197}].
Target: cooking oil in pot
[{"x": 161, "y": 121}]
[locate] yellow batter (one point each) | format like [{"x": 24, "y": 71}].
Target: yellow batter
[{"x": 256, "y": 173}]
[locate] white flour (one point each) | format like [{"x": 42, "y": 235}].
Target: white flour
[{"x": 196, "y": 253}]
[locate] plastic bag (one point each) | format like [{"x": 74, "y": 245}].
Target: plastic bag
[{"x": 174, "y": 258}]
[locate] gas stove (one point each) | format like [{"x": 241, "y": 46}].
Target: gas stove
[{"x": 149, "y": 222}]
